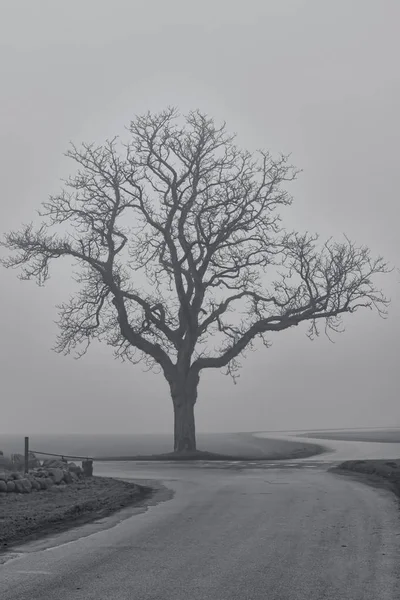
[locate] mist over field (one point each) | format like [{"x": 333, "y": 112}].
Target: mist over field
[
  {"x": 315, "y": 79},
  {"x": 98, "y": 446}
]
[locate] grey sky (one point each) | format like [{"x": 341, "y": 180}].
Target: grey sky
[{"x": 316, "y": 78}]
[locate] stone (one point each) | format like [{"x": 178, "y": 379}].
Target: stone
[
  {"x": 74, "y": 477},
  {"x": 3, "y": 476},
  {"x": 54, "y": 463},
  {"x": 3, "y": 487},
  {"x": 43, "y": 483},
  {"x": 26, "y": 484},
  {"x": 10, "y": 486},
  {"x": 19, "y": 488},
  {"x": 75, "y": 468},
  {"x": 35, "y": 485},
  {"x": 40, "y": 472},
  {"x": 56, "y": 475},
  {"x": 68, "y": 477}
]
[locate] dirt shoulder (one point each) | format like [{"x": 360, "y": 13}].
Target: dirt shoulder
[
  {"x": 25, "y": 517},
  {"x": 379, "y": 473}
]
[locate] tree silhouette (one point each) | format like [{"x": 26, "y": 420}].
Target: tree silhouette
[{"x": 181, "y": 255}]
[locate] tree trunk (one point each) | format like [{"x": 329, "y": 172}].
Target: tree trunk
[
  {"x": 184, "y": 395},
  {"x": 184, "y": 427}
]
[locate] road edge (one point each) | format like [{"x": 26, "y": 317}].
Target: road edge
[{"x": 375, "y": 480}]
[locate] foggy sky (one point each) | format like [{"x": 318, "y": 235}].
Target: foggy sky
[{"x": 315, "y": 78}]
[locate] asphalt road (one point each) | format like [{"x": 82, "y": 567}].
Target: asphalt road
[
  {"x": 340, "y": 450},
  {"x": 257, "y": 532}
]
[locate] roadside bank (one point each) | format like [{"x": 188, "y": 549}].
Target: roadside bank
[
  {"x": 379, "y": 473},
  {"x": 26, "y": 517}
]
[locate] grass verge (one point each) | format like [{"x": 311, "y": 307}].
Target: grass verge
[
  {"x": 379, "y": 473},
  {"x": 25, "y": 517}
]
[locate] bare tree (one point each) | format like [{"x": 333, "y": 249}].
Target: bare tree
[{"x": 181, "y": 256}]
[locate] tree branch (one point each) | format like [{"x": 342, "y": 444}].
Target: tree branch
[{"x": 179, "y": 230}]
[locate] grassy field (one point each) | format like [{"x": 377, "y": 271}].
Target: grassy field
[{"x": 244, "y": 445}]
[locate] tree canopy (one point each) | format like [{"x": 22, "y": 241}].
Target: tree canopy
[{"x": 181, "y": 253}]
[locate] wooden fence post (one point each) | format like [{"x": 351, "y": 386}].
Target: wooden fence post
[
  {"x": 26, "y": 454},
  {"x": 87, "y": 466}
]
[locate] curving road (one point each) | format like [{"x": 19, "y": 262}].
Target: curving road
[
  {"x": 340, "y": 450},
  {"x": 290, "y": 531}
]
